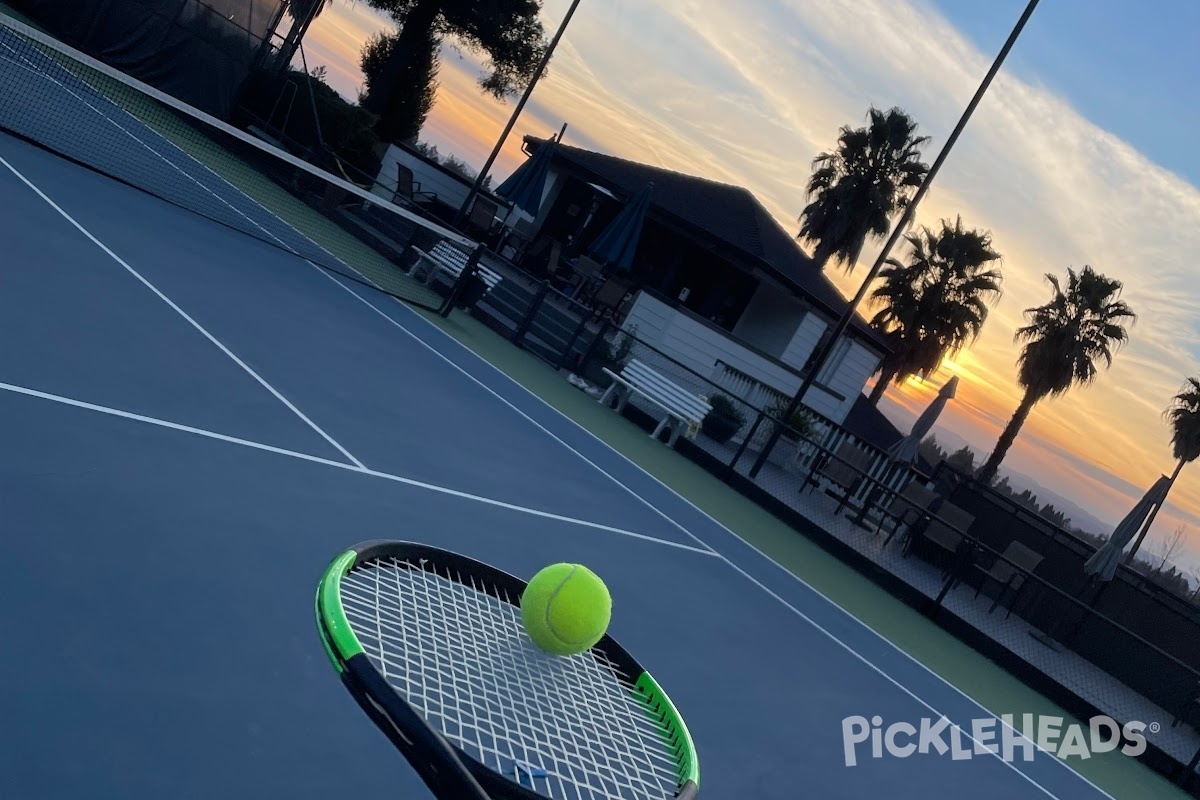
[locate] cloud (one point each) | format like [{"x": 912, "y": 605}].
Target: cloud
[{"x": 750, "y": 92}]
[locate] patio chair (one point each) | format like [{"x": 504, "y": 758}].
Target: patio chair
[
  {"x": 559, "y": 273},
  {"x": 540, "y": 258},
  {"x": 845, "y": 469},
  {"x": 482, "y": 219},
  {"x": 1009, "y": 573},
  {"x": 943, "y": 533},
  {"x": 907, "y": 508},
  {"x": 608, "y": 297},
  {"x": 588, "y": 274},
  {"x": 517, "y": 240},
  {"x": 407, "y": 189}
]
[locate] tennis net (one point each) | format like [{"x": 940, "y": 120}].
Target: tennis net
[{"x": 71, "y": 104}]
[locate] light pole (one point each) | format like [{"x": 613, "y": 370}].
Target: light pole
[
  {"x": 512, "y": 120},
  {"x": 909, "y": 211}
]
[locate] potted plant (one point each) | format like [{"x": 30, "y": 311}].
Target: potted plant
[
  {"x": 723, "y": 421},
  {"x": 798, "y": 427}
]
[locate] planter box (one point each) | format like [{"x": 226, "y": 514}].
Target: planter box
[{"x": 720, "y": 427}]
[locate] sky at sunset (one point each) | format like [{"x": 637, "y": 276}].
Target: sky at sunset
[{"x": 1082, "y": 153}]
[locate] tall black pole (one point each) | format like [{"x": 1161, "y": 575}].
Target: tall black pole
[
  {"x": 909, "y": 211},
  {"x": 512, "y": 120}
]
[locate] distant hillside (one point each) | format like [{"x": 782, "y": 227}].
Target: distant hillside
[
  {"x": 1050, "y": 504},
  {"x": 1079, "y": 517}
]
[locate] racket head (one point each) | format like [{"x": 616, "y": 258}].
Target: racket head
[{"x": 429, "y": 638}]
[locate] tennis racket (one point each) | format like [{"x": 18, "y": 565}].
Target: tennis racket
[{"x": 430, "y": 644}]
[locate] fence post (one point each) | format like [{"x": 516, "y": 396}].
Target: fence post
[
  {"x": 1185, "y": 776},
  {"x": 731, "y": 467},
  {"x": 590, "y": 352},
  {"x": 535, "y": 305},
  {"x": 465, "y": 277},
  {"x": 566, "y": 356},
  {"x": 962, "y": 558}
]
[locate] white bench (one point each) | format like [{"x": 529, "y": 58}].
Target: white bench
[
  {"x": 682, "y": 408},
  {"x": 450, "y": 260}
]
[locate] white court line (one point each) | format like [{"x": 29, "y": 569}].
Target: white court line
[
  {"x": 833, "y": 637},
  {"x": 183, "y": 314},
  {"x": 162, "y": 423}
]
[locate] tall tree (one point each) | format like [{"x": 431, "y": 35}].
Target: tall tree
[
  {"x": 962, "y": 459},
  {"x": 936, "y": 304},
  {"x": 1184, "y": 417},
  {"x": 1169, "y": 546},
  {"x": 1065, "y": 339},
  {"x": 405, "y": 109},
  {"x": 856, "y": 189},
  {"x": 400, "y": 67}
]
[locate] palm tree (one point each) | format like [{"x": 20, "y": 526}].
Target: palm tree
[
  {"x": 936, "y": 304},
  {"x": 1184, "y": 416},
  {"x": 1064, "y": 339},
  {"x": 855, "y": 190},
  {"x": 400, "y": 67}
]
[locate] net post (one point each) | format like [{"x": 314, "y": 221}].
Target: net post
[{"x": 469, "y": 273}]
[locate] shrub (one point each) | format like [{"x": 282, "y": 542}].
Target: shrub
[
  {"x": 725, "y": 419},
  {"x": 727, "y": 408},
  {"x": 616, "y": 354},
  {"x": 799, "y": 425}
]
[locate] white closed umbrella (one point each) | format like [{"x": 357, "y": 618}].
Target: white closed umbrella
[
  {"x": 905, "y": 450},
  {"x": 1102, "y": 566}
]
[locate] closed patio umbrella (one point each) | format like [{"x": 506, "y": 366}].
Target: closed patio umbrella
[
  {"x": 1102, "y": 566},
  {"x": 524, "y": 188},
  {"x": 905, "y": 450},
  {"x": 617, "y": 245}
]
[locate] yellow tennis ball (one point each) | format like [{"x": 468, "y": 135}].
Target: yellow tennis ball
[{"x": 566, "y": 609}]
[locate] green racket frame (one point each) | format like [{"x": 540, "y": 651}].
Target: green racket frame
[{"x": 449, "y": 772}]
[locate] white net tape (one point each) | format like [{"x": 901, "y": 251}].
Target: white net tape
[{"x": 564, "y": 726}]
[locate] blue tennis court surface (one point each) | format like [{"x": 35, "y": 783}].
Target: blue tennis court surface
[{"x": 194, "y": 422}]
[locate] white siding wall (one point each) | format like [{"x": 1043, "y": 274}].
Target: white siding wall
[
  {"x": 449, "y": 190},
  {"x": 700, "y": 347},
  {"x": 850, "y": 377},
  {"x": 651, "y": 318},
  {"x": 804, "y": 340},
  {"x": 770, "y": 319}
]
